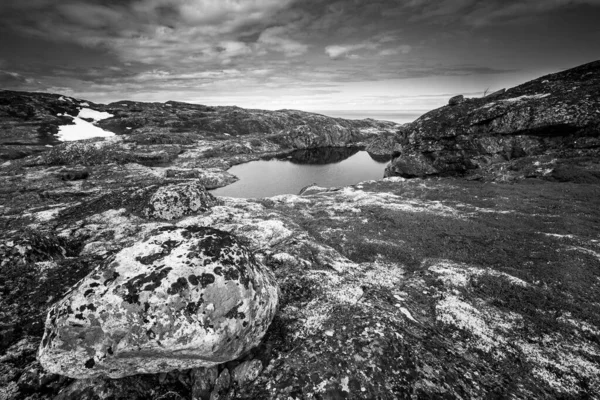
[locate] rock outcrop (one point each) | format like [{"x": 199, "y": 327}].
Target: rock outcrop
[
  {"x": 557, "y": 115},
  {"x": 183, "y": 298}
]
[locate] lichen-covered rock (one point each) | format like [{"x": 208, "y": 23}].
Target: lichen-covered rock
[
  {"x": 556, "y": 114},
  {"x": 183, "y": 298},
  {"x": 174, "y": 201}
]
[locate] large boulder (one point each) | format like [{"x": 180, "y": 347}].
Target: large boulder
[
  {"x": 456, "y": 100},
  {"x": 174, "y": 201},
  {"x": 556, "y": 114},
  {"x": 183, "y": 298}
]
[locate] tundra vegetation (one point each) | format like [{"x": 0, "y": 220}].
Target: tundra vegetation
[{"x": 472, "y": 270}]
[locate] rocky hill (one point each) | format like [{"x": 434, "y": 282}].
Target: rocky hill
[
  {"x": 29, "y": 123},
  {"x": 546, "y": 127},
  {"x": 121, "y": 277}
]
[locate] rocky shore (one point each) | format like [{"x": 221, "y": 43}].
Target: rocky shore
[{"x": 471, "y": 271}]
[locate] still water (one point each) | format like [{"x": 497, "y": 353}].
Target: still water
[{"x": 327, "y": 167}]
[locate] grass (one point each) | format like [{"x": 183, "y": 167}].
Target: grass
[{"x": 516, "y": 242}]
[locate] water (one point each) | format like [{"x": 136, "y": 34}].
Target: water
[{"x": 326, "y": 167}]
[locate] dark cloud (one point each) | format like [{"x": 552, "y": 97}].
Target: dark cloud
[
  {"x": 107, "y": 49},
  {"x": 480, "y": 13}
]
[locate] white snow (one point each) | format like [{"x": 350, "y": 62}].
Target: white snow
[
  {"x": 93, "y": 114},
  {"x": 83, "y": 129}
]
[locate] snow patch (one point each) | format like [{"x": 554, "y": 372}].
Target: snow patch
[
  {"x": 81, "y": 130},
  {"x": 93, "y": 114}
]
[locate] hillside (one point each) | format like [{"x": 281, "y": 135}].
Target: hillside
[
  {"x": 545, "y": 127},
  {"x": 29, "y": 123}
]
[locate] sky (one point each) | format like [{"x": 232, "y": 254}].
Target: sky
[{"x": 401, "y": 55}]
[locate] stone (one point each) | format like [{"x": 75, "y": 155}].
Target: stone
[
  {"x": 183, "y": 298},
  {"x": 247, "y": 372},
  {"x": 411, "y": 166},
  {"x": 203, "y": 381},
  {"x": 175, "y": 201},
  {"x": 221, "y": 385},
  {"x": 456, "y": 100}
]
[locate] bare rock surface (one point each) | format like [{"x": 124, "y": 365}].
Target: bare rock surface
[
  {"x": 183, "y": 298},
  {"x": 556, "y": 116}
]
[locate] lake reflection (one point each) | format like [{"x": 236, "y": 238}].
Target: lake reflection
[{"x": 327, "y": 167}]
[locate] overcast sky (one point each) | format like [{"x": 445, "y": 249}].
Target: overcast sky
[{"x": 306, "y": 54}]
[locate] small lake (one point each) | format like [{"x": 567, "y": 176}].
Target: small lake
[{"x": 326, "y": 167}]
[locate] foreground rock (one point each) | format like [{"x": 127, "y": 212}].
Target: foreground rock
[
  {"x": 183, "y": 298},
  {"x": 556, "y": 116}
]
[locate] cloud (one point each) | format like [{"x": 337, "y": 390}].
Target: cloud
[
  {"x": 404, "y": 49},
  {"x": 276, "y": 39},
  {"x": 13, "y": 80},
  {"x": 136, "y": 48},
  {"x": 152, "y": 31},
  {"x": 480, "y": 13},
  {"x": 337, "y": 51}
]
